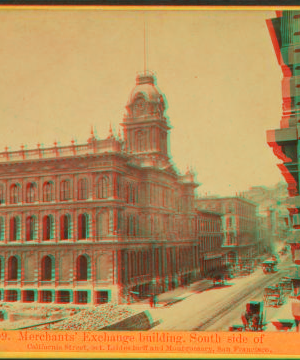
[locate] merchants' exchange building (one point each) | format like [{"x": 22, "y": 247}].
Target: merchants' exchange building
[{"x": 108, "y": 220}]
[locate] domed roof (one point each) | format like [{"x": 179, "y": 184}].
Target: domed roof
[{"x": 145, "y": 87}]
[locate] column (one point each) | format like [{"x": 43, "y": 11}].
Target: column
[
  {"x": 115, "y": 221},
  {"x": 111, "y": 221},
  {"x": 93, "y": 224}
]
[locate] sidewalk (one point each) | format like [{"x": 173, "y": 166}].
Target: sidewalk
[
  {"x": 282, "y": 313},
  {"x": 183, "y": 292}
]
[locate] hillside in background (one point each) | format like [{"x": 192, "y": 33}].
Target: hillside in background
[{"x": 269, "y": 197}]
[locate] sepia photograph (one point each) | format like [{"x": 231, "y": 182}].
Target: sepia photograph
[{"x": 149, "y": 181}]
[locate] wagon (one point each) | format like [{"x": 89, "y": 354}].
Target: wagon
[
  {"x": 253, "y": 318},
  {"x": 273, "y": 295},
  {"x": 286, "y": 285},
  {"x": 218, "y": 280},
  {"x": 269, "y": 266}
]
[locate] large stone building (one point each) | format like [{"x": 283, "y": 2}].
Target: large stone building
[
  {"x": 271, "y": 206},
  {"x": 239, "y": 225},
  {"x": 108, "y": 220},
  {"x": 285, "y": 35},
  {"x": 212, "y": 256}
]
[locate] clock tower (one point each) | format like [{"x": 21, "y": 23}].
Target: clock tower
[{"x": 145, "y": 125}]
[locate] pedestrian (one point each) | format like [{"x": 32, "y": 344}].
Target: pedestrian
[
  {"x": 151, "y": 300},
  {"x": 154, "y": 300}
]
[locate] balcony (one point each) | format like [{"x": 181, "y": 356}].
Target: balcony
[{"x": 281, "y": 136}]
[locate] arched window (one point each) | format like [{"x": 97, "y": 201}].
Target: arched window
[
  {"x": 13, "y": 267},
  {"x": 2, "y": 194},
  {"x": 65, "y": 224},
  {"x": 127, "y": 193},
  {"x": 48, "y": 191},
  {"x": 131, "y": 225},
  {"x": 48, "y": 225},
  {"x": 82, "y": 189},
  {"x": 2, "y": 229},
  {"x": 140, "y": 141},
  {"x": 103, "y": 223},
  {"x": 118, "y": 186},
  {"x": 31, "y": 193},
  {"x": 82, "y": 226},
  {"x": 14, "y": 228},
  {"x": 145, "y": 263},
  {"x": 131, "y": 193},
  {"x": 133, "y": 264},
  {"x": 47, "y": 268},
  {"x": 134, "y": 194},
  {"x": 14, "y": 194},
  {"x": 82, "y": 268},
  {"x": 102, "y": 188},
  {"x": 30, "y": 228},
  {"x": 65, "y": 190}
]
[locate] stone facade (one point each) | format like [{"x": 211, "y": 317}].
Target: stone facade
[
  {"x": 210, "y": 233},
  {"x": 239, "y": 226},
  {"x": 284, "y": 31},
  {"x": 109, "y": 220}
]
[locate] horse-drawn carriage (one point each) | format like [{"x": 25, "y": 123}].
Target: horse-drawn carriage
[
  {"x": 286, "y": 285},
  {"x": 219, "y": 276},
  {"x": 218, "y": 279},
  {"x": 253, "y": 318},
  {"x": 274, "y": 295},
  {"x": 269, "y": 266}
]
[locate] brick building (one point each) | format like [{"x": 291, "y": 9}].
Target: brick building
[
  {"x": 210, "y": 234},
  {"x": 239, "y": 226},
  {"x": 108, "y": 220},
  {"x": 284, "y": 30}
]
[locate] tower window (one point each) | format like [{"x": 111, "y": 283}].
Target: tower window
[
  {"x": 140, "y": 141},
  {"x": 102, "y": 188}
]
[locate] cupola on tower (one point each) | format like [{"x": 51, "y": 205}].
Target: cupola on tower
[{"x": 145, "y": 126}]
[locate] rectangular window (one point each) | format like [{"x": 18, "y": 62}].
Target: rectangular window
[
  {"x": 28, "y": 296},
  {"x": 46, "y": 296},
  {"x": 101, "y": 297},
  {"x": 63, "y": 297},
  {"x": 11, "y": 295},
  {"x": 81, "y": 297}
]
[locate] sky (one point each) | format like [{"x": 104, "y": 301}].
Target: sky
[{"x": 63, "y": 71}]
